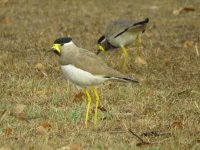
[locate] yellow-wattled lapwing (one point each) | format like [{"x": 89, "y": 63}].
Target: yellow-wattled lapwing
[
  {"x": 121, "y": 33},
  {"x": 85, "y": 69}
]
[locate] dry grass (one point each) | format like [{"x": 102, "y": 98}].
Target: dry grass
[{"x": 163, "y": 110}]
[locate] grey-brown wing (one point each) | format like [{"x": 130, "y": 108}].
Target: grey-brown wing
[
  {"x": 116, "y": 27},
  {"x": 90, "y": 62},
  {"x": 120, "y": 26}
]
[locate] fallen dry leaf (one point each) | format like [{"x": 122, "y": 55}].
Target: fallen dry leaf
[
  {"x": 18, "y": 109},
  {"x": 40, "y": 66},
  {"x": 79, "y": 97},
  {"x": 177, "y": 125},
  {"x": 46, "y": 125},
  {"x": 8, "y": 131},
  {"x": 6, "y": 20},
  {"x": 181, "y": 10},
  {"x": 43, "y": 129},
  {"x": 188, "y": 44}
]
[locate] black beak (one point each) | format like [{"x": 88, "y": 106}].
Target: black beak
[{"x": 98, "y": 52}]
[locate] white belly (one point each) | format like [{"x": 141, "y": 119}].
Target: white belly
[{"x": 81, "y": 77}]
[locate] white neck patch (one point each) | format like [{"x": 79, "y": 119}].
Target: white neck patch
[{"x": 69, "y": 43}]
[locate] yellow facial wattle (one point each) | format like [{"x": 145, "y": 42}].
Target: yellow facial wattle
[
  {"x": 101, "y": 48},
  {"x": 56, "y": 47}
]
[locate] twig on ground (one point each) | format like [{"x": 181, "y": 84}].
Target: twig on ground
[
  {"x": 142, "y": 141},
  {"x": 197, "y": 51},
  {"x": 4, "y": 113},
  {"x": 134, "y": 134},
  {"x": 153, "y": 133},
  {"x": 151, "y": 143}
]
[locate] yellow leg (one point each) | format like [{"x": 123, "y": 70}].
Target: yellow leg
[
  {"x": 138, "y": 43},
  {"x": 88, "y": 106},
  {"x": 125, "y": 58},
  {"x": 138, "y": 59},
  {"x": 96, "y": 106}
]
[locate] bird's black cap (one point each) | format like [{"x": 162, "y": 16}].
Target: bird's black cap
[
  {"x": 101, "y": 39},
  {"x": 63, "y": 40}
]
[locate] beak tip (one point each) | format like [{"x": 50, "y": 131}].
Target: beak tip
[
  {"x": 98, "y": 52},
  {"x": 51, "y": 49}
]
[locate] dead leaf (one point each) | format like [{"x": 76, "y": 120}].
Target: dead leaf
[
  {"x": 46, "y": 125},
  {"x": 177, "y": 125},
  {"x": 188, "y": 44},
  {"x": 79, "y": 97},
  {"x": 8, "y": 131},
  {"x": 181, "y": 10},
  {"x": 6, "y": 20},
  {"x": 19, "y": 108},
  {"x": 39, "y": 66},
  {"x": 43, "y": 129}
]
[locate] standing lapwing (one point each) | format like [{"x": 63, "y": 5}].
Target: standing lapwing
[
  {"x": 121, "y": 33},
  {"x": 85, "y": 69}
]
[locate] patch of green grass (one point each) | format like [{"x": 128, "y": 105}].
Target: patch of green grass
[{"x": 77, "y": 113}]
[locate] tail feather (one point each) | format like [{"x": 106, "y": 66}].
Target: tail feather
[
  {"x": 123, "y": 79},
  {"x": 129, "y": 80}
]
